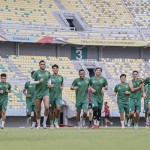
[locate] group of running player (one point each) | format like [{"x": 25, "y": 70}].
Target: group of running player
[{"x": 89, "y": 96}]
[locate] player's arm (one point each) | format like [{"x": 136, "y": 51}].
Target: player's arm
[
  {"x": 115, "y": 91},
  {"x": 9, "y": 89},
  {"x": 25, "y": 90},
  {"x": 62, "y": 84},
  {"x": 105, "y": 86},
  {"x": 134, "y": 89},
  {"x": 143, "y": 91},
  {"x": 33, "y": 80},
  {"x": 74, "y": 85}
]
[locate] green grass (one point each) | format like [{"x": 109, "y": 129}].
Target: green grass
[{"x": 74, "y": 139}]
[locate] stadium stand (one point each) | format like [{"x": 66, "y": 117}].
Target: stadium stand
[
  {"x": 36, "y": 12},
  {"x": 140, "y": 11},
  {"x": 101, "y": 13}
]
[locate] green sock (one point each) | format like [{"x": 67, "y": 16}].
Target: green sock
[
  {"x": 51, "y": 122},
  {"x": 56, "y": 119}
]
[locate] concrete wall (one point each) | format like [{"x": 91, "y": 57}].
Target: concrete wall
[{"x": 93, "y": 52}]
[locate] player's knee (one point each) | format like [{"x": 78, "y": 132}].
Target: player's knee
[
  {"x": 132, "y": 113},
  {"x": 46, "y": 107},
  {"x": 58, "y": 108},
  {"x": 3, "y": 112},
  {"x": 90, "y": 111}
]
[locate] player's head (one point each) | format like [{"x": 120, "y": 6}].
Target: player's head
[
  {"x": 135, "y": 74},
  {"x": 123, "y": 78},
  {"x": 42, "y": 65},
  {"x": 82, "y": 73},
  {"x": 106, "y": 103},
  {"x": 55, "y": 69},
  {"x": 32, "y": 73},
  {"x": 98, "y": 71},
  {"x": 3, "y": 77}
]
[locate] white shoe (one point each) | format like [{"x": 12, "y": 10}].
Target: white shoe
[
  {"x": 56, "y": 125},
  {"x": 105, "y": 126},
  {"x": 52, "y": 126},
  {"x": 129, "y": 123},
  {"x": 33, "y": 126},
  {"x": 2, "y": 127},
  {"x": 83, "y": 122},
  {"x": 38, "y": 127},
  {"x": 122, "y": 127},
  {"x": 78, "y": 127},
  {"x": 44, "y": 126}
]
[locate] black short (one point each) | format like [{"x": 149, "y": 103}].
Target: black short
[
  {"x": 106, "y": 116},
  {"x": 90, "y": 106}
]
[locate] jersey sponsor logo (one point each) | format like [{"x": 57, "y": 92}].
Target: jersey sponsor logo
[{"x": 39, "y": 75}]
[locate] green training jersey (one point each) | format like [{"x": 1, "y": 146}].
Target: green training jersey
[
  {"x": 55, "y": 92},
  {"x": 82, "y": 91},
  {"x": 4, "y": 87},
  {"x": 120, "y": 90},
  {"x": 147, "y": 84},
  {"x": 41, "y": 87},
  {"x": 98, "y": 84},
  {"x": 137, "y": 95},
  {"x": 30, "y": 91}
]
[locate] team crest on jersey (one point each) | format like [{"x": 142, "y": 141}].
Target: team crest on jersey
[{"x": 39, "y": 75}]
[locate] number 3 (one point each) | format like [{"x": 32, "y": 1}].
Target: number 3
[{"x": 79, "y": 53}]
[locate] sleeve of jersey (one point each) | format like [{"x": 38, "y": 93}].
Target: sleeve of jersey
[
  {"x": 9, "y": 88},
  {"x": 25, "y": 87},
  {"x": 90, "y": 82},
  {"x": 34, "y": 76},
  {"x": 115, "y": 90},
  {"x": 62, "y": 81},
  {"x": 74, "y": 83},
  {"x": 106, "y": 83},
  {"x": 146, "y": 81}
]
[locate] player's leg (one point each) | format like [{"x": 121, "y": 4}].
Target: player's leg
[
  {"x": 33, "y": 116},
  {"x": 90, "y": 117},
  {"x": 85, "y": 109},
  {"x": 95, "y": 113},
  {"x": 132, "y": 110},
  {"x": 100, "y": 105},
  {"x": 58, "y": 104},
  {"x": 78, "y": 107},
  {"x": 148, "y": 112},
  {"x": 46, "y": 106},
  {"x": 126, "y": 108},
  {"x": 4, "y": 107},
  {"x": 38, "y": 112},
  {"x": 51, "y": 114},
  {"x": 28, "y": 113},
  {"x": 137, "y": 112},
  {"x": 0, "y": 115},
  {"x": 3, "y": 118}
]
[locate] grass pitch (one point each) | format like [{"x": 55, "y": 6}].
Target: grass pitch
[{"x": 75, "y": 139}]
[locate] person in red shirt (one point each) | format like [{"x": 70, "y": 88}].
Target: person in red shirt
[{"x": 107, "y": 114}]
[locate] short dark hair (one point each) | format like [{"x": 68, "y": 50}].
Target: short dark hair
[
  {"x": 98, "y": 68},
  {"x": 32, "y": 73},
  {"x": 123, "y": 75},
  {"x": 81, "y": 70},
  {"x": 41, "y": 61},
  {"x": 55, "y": 66},
  {"x": 105, "y": 103},
  {"x": 135, "y": 71},
  {"x": 3, "y": 75}
]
